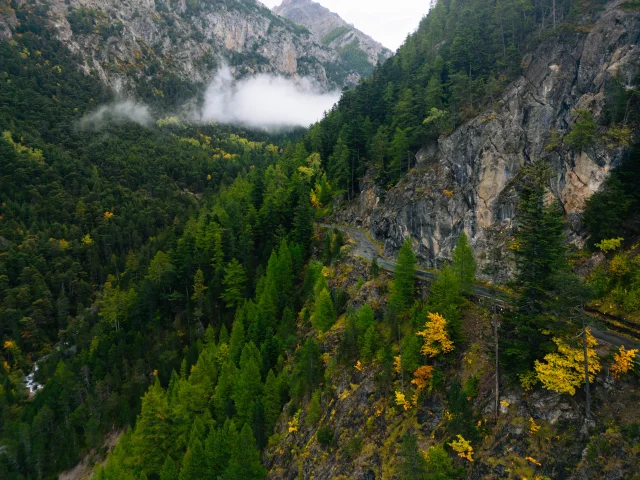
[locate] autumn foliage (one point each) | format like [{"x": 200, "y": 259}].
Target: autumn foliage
[
  {"x": 563, "y": 371},
  {"x": 436, "y": 338},
  {"x": 623, "y": 362}
]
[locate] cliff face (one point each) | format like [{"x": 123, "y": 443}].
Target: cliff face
[
  {"x": 467, "y": 180},
  {"x": 331, "y": 30},
  {"x": 128, "y": 42}
]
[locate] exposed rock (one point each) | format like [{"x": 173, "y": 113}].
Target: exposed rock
[
  {"x": 129, "y": 42},
  {"x": 8, "y": 21},
  {"x": 330, "y": 29},
  {"x": 467, "y": 182}
]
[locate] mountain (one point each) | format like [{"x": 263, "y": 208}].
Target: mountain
[
  {"x": 356, "y": 48},
  {"x": 183, "y": 300},
  {"x": 456, "y": 115},
  {"x": 169, "y": 49}
]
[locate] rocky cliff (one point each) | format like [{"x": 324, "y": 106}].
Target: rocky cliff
[
  {"x": 331, "y": 30},
  {"x": 130, "y": 43},
  {"x": 467, "y": 180}
]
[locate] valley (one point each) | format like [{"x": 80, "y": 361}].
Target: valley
[{"x": 243, "y": 243}]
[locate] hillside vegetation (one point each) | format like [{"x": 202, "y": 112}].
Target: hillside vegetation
[{"x": 169, "y": 283}]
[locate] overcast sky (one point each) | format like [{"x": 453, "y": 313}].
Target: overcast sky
[{"x": 387, "y": 21}]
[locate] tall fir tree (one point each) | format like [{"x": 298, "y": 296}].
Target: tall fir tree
[{"x": 464, "y": 264}]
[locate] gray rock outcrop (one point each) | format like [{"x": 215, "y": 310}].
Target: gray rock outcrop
[
  {"x": 467, "y": 181},
  {"x": 129, "y": 42},
  {"x": 330, "y": 29}
]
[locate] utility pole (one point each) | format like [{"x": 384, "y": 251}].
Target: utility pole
[
  {"x": 495, "y": 334},
  {"x": 587, "y": 386}
]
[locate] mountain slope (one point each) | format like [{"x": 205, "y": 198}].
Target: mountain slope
[
  {"x": 463, "y": 125},
  {"x": 164, "y": 49},
  {"x": 330, "y": 29}
]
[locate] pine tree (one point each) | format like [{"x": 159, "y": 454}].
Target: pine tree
[
  {"x": 235, "y": 282},
  {"x": 271, "y": 402},
  {"x": 315, "y": 409},
  {"x": 169, "y": 470},
  {"x": 303, "y": 224},
  {"x": 445, "y": 298},
  {"x": 248, "y": 387},
  {"x": 403, "y": 286},
  {"x": 237, "y": 337},
  {"x": 194, "y": 466},
  {"x": 323, "y": 313},
  {"x": 464, "y": 265},
  {"x": 153, "y": 430},
  {"x": 413, "y": 465},
  {"x": 374, "y": 270},
  {"x": 223, "y": 399},
  {"x": 244, "y": 462}
]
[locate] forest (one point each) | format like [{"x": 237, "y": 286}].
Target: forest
[{"x": 170, "y": 282}]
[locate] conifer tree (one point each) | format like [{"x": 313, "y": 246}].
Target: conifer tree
[
  {"x": 271, "y": 402},
  {"x": 303, "y": 224},
  {"x": 248, "y": 388},
  {"x": 403, "y": 286},
  {"x": 194, "y": 465},
  {"x": 445, "y": 298},
  {"x": 169, "y": 470},
  {"x": 234, "y": 282},
  {"x": 323, "y": 312},
  {"x": 412, "y": 465},
  {"x": 315, "y": 409},
  {"x": 244, "y": 461},
  {"x": 153, "y": 430},
  {"x": 223, "y": 399},
  {"x": 464, "y": 265},
  {"x": 539, "y": 249},
  {"x": 237, "y": 337}
]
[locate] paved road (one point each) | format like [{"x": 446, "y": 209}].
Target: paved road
[{"x": 365, "y": 248}]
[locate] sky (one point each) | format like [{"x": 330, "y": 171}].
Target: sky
[{"x": 387, "y": 21}]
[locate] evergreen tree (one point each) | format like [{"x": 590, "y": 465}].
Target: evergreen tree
[
  {"x": 169, "y": 470},
  {"x": 374, "y": 270},
  {"x": 403, "y": 286},
  {"x": 540, "y": 258},
  {"x": 235, "y": 282},
  {"x": 445, "y": 298},
  {"x": 315, "y": 409},
  {"x": 244, "y": 461},
  {"x": 271, "y": 402},
  {"x": 194, "y": 465},
  {"x": 412, "y": 465},
  {"x": 303, "y": 224},
  {"x": 153, "y": 430},
  {"x": 464, "y": 264},
  {"x": 237, "y": 337},
  {"x": 248, "y": 387},
  {"x": 323, "y": 313}
]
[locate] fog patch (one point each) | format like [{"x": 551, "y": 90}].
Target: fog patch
[
  {"x": 118, "y": 112},
  {"x": 264, "y": 101}
]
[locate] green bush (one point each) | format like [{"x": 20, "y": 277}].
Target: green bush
[
  {"x": 325, "y": 436},
  {"x": 583, "y": 132}
]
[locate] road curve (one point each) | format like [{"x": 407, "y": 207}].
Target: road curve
[{"x": 365, "y": 248}]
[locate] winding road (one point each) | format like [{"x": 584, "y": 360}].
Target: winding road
[{"x": 366, "y": 248}]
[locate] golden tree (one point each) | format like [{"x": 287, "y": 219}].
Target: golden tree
[
  {"x": 623, "y": 361},
  {"x": 563, "y": 371},
  {"x": 463, "y": 448},
  {"x": 436, "y": 338}
]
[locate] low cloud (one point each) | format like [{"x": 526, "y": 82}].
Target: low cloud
[
  {"x": 264, "y": 101},
  {"x": 118, "y": 112}
]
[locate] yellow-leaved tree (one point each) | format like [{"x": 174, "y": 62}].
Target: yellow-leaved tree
[
  {"x": 436, "y": 338},
  {"x": 623, "y": 361},
  {"x": 563, "y": 371}
]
